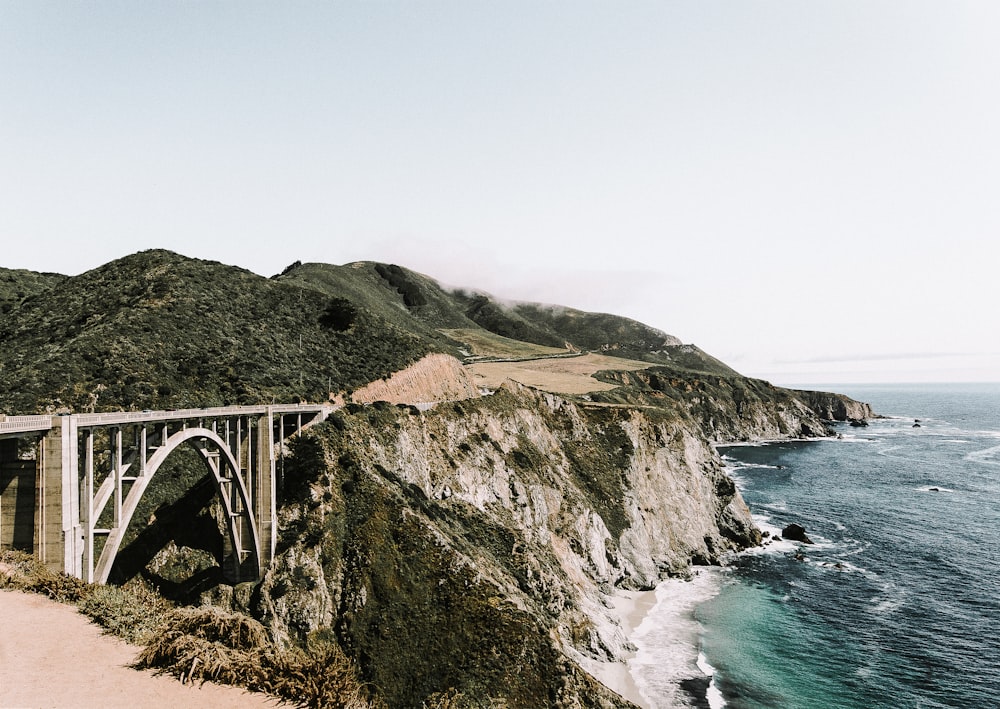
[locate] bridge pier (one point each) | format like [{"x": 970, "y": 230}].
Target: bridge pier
[
  {"x": 265, "y": 510},
  {"x": 17, "y": 498},
  {"x": 59, "y": 538}
]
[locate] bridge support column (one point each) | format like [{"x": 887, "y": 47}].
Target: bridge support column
[
  {"x": 17, "y": 498},
  {"x": 59, "y": 541},
  {"x": 265, "y": 507}
]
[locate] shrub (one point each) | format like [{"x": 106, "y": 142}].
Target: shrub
[
  {"x": 133, "y": 612},
  {"x": 321, "y": 677},
  {"x": 207, "y": 643},
  {"x": 19, "y": 570}
]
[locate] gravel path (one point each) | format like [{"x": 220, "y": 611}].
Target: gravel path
[{"x": 51, "y": 657}]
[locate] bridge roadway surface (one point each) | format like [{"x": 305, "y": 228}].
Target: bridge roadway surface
[
  {"x": 51, "y": 656},
  {"x": 18, "y": 425}
]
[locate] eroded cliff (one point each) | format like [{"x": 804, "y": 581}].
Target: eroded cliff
[{"x": 470, "y": 548}]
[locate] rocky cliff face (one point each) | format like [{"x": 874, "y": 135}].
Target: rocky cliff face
[
  {"x": 729, "y": 409},
  {"x": 835, "y": 407},
  {"x": 470, "y": 548}
]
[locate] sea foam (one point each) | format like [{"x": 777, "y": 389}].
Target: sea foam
[{"x": 667, "y": 641}]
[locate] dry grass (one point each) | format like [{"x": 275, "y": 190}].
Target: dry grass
[
  {"x": 20, "y": 570},
  {"x": 321, "y": 678},
  {"x": 202, "y": 644},
  {"x": 559, "y": 375},
  {"x": 482, "y": 343},
  {"x": 134, "y": 612}
]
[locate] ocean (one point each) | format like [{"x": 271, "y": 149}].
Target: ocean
[{"x": 897, "y": 602}]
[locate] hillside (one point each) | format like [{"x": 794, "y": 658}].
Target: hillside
[
  {"x": 16, "y": 285},
  {"x": 158, "y": 330},
  {"x": 461, "y": 554},
  {"x": 465, "y": 322}
]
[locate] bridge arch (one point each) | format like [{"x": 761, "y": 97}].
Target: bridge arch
[
  {"x": 91, "y": 470},
  {"x": 230, "y": 486}
]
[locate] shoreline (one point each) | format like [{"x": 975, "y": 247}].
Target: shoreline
[
  {"x": 665, "y": 666},
  {"x": 629, "y": 609}
]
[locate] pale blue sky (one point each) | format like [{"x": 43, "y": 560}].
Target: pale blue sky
[{"x": 807, "y": 190}]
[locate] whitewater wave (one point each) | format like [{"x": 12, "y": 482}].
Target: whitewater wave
[
  {"x": 667, "y": 641},
  {"x": 987, "y": 456}
]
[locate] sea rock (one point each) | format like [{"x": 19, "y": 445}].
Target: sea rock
[{"x": 796, "y": 533}]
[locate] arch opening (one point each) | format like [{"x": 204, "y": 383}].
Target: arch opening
[{"x": 221, "y": 484}]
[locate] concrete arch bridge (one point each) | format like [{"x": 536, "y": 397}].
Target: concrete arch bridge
[{"x": 71, "y": 503}]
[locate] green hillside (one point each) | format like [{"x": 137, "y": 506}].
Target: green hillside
[
  {"x": 419, "y": 304},
  {"x": 16, "y": 285},
  {"x": 160, "y": 330}
]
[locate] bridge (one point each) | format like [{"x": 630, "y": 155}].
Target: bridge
[{"x": 70, "y": 484}]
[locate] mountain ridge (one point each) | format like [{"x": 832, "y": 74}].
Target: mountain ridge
[{"x": 159, "y": 330}]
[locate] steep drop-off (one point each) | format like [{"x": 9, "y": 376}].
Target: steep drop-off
[{"x": 471, "y": 547}]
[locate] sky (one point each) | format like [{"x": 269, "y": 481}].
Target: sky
[{"x": 806, "y": 190}]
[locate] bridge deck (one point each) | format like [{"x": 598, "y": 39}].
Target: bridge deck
[
  {"x": 20, "y": 425},
  {"x": 17, "y": 425}
]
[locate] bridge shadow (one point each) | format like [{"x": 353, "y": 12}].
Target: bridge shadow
[{"x": 190, "y": 525}]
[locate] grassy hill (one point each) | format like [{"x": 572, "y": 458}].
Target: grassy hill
[
  {"x": 466, "y": 322},
  {"x": 16, "y": 285},
  {"x": 160, "y": 330}
]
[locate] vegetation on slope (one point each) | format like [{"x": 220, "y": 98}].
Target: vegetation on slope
[
  {"x": 16, "y": 285},
  {"x": 200, "y": 644},
  {"x": 464, "y": 322},
  {"x": 158, "y": 330},
  {"x": 430, "y": 597}
]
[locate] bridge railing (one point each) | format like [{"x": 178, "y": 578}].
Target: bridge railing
[
  {"x": 110, "y": 419},
  {"x": 25, "y": 424}
]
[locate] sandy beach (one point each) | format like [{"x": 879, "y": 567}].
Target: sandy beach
[
  {"x": 664, "y": 669},
  {"x": 630, "y": 608},
  {"x": 52, "y": 657}
]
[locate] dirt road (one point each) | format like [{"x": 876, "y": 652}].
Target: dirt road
[{"x": 51, "y": 657}]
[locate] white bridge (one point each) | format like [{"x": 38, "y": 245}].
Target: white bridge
[{"x": 71, "y": 502}]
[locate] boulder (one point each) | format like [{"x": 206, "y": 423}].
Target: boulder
[{"x": 796, "y": 532}]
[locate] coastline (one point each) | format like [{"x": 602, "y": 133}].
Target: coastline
[
  {"x": 665, "y": 666},
  {"x": 629, "y": 609}
]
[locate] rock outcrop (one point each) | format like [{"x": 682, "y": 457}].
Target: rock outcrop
[
  {"x": 723, "y": 408},
  {"x": 835, "y": 407},
  {"x": 796, "y": 532}
]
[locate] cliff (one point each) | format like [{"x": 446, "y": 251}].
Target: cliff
[
  {"x": 835, "y": 407},
  {"x": 436, "y": 547}
]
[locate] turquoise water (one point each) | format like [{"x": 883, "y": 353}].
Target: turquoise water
[{"x": 898, "y": 602}]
